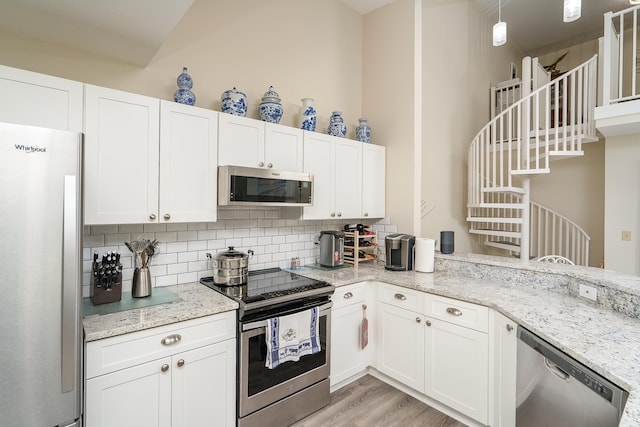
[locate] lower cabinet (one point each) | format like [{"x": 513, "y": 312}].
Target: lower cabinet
[
  {"x": 503, "y": 350},
  {"x": 348, "y": 358},
  {"x": 192, "y": 385},
  {"x": 441, "y": 359}
]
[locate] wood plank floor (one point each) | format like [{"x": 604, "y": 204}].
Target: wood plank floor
[{"x": 370, "y": 402}]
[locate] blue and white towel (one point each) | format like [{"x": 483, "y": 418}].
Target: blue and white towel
[{"x": 291, "y": 337}]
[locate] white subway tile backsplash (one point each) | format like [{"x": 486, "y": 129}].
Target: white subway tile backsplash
[{"x": 183, "y": 248}]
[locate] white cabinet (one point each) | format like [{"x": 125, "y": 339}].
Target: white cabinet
[
  {"x": 457, "y": 355},
  {"x": 336, "y": 164},
  {"x": 253, "y": 143},
  {"x": 348, "y": 358},
  {"x": 136, "y": 380},
  {"x": 141, "y": 169},
  {"x": 502, "y": 380},
  {"x": 373, "y": 181},
  {"x": 188, "y": 163},
  {"x": 400, "y": 335},
  {"x": 437, "y": 346},
  {"x": 121, "y": 157},
  {"x": 39, "y": 100}
]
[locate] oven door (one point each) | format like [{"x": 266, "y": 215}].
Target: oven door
[{"x": 260, "y": 386}]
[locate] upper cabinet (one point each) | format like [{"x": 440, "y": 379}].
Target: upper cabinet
[
  {"x": 147, "y": 161},
  {"x": 121, "y": 157},
  {"x": 336, "y": 166},
  {"x": 40, "y": 100},
  {"x": 373, "y": 181},
  {"x": 253, "y": 143},
  {"x": 188, "y": 163}
]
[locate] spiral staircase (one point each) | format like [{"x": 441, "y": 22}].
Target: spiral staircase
[{"x": 550, "y": 122}]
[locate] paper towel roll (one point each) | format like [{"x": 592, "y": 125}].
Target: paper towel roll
[{"x": 425, "y": 252}]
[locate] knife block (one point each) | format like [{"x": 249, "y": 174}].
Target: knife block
[{"x": 103, "y": 293}]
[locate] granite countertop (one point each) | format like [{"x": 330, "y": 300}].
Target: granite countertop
[
  {"x": 544, "y": 302},
  {"x": 195, "y": 300},
  {"x": 603, "y": 335}
]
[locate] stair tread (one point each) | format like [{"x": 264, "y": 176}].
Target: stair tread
[
  {"x": 515, "y": 190},
  {"x": 516, "y": 234},
  {"x": 494, "y": 219},
  {"x": 497, "y": 205}
]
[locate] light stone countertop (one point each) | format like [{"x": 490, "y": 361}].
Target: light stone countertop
[
  {"x": 604, "y": 335},
  {"x": 196, "y": 300},
  {"x": 541, "y": 298}
]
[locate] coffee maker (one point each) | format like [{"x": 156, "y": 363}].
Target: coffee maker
[
  {"x": 399, "y": 251},
  {"x": 331, "y": 248}
]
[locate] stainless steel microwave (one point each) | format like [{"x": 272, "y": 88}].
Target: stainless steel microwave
[{"x": 244, "y": 186}]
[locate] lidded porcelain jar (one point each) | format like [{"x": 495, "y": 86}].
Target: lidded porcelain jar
[
  {"x": 234, "y": 102},
  {"x": 363, "y": 131},
  {"x": 270, "y": 108},
  {"x": 184, "y": 95},
  {"x": 336, "y": 125},
  {"x": 307, "y": 115}
]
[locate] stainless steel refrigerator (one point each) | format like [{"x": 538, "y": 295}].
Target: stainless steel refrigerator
[{"x": 40, "y": 277}]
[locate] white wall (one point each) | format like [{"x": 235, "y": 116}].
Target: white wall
[
  {"x": 459, "y": 66},
  {"x": 622, "y": 204}
]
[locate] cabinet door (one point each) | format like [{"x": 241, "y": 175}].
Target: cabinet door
[
  {"x": 135, "y": 397},
  {"x": 204, "y": 386},
  {"x": 283, "y": 148},
  {"x": 504, "y": 344},
  {"x": 347, "y": 356},
  {"x": 400, "y": 345},
  {"x": 373, "y": 181},
  {"x": 121, "y": 157},
  {"x": 188, "y": 163},
  {"x": 39, "y": 100},
  {"x": 240, "y": 141},
  {"x": 348, "y": 178},
  {"x": 456, "y": 360},
  {"x": 318, "y": 161}
]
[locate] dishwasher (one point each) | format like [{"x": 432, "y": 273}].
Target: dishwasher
[{"x": 553, "y": 389}]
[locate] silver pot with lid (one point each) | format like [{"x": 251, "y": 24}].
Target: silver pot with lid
[{"x": 231, "y": 267}]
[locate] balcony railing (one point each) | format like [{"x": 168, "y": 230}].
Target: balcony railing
[{"x": 620, "y": 57}]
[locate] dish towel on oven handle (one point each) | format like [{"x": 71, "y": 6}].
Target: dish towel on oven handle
[{"x": 291, "y": 337}]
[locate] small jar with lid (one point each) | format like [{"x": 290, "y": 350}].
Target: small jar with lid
[{"x": 270, "y": 108}]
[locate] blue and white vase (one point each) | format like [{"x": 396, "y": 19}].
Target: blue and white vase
[
  {"x": 184, "y": 95},
  {"x": 336, "y": 125},
  {"x": 307, "y": 115},
  {"x": 363, "y": 131},
  {"x": 270, "y": 108},
  {"x": 234, "y": 102}
]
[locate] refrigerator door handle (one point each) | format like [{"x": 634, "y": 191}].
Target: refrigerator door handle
[{"x": 70, "y": 279}]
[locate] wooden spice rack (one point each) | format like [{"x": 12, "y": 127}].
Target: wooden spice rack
[{"x": 364, "y": 248}]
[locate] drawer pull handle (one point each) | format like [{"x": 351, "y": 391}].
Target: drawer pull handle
[
  {"x": 348, "y": 295},
  {"x": 171, "y": 339},
  {"x": 400, "y": 297},
  {"x": 428, "y": 322},
  {"x": 417, "y": 320},
  {"x": 454, "y": 311},
  {"x": 180, "y": 363},
  {"x": 509, "y": 327},
  {"x": 164, "y": 368}
]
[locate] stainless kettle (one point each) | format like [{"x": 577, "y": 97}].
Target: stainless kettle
[{"x": 331, "y": 248}]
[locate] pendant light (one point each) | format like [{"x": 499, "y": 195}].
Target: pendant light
[
  {"x": 572, "y": 10},
  {"x": 499, "y": 29}
]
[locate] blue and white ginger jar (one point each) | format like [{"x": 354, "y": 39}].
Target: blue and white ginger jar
[
  {"x": 184, "y": 95},
  {"x": 363, "y": 131},
  {"x": 307, "y": 115},
  {"x": 336, "y": 125},
  {"x": 234, "y": 102},
  {"x": 270, "y": 108}
]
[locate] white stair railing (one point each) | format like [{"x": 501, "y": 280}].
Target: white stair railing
[
  {"x": 620, "y": 56},
  {"x": 555, "y": 234},
  {"x": 551, "y": 121}
]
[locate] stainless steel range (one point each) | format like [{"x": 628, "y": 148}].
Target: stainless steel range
[{"x": 292, "y": 390}]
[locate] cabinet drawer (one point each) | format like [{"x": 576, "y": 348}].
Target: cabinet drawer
[
  {"x": 123, "y": 351},
  {"x": 347, "y": 295},
  {"x": 458, "y": 312},
  {"x": 398, "y": 296}
]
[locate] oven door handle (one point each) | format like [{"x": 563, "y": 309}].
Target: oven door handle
[{"x": 323, "y": 310}]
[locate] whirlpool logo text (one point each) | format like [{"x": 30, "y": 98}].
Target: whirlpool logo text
[{"x": 31, "y": 148}]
